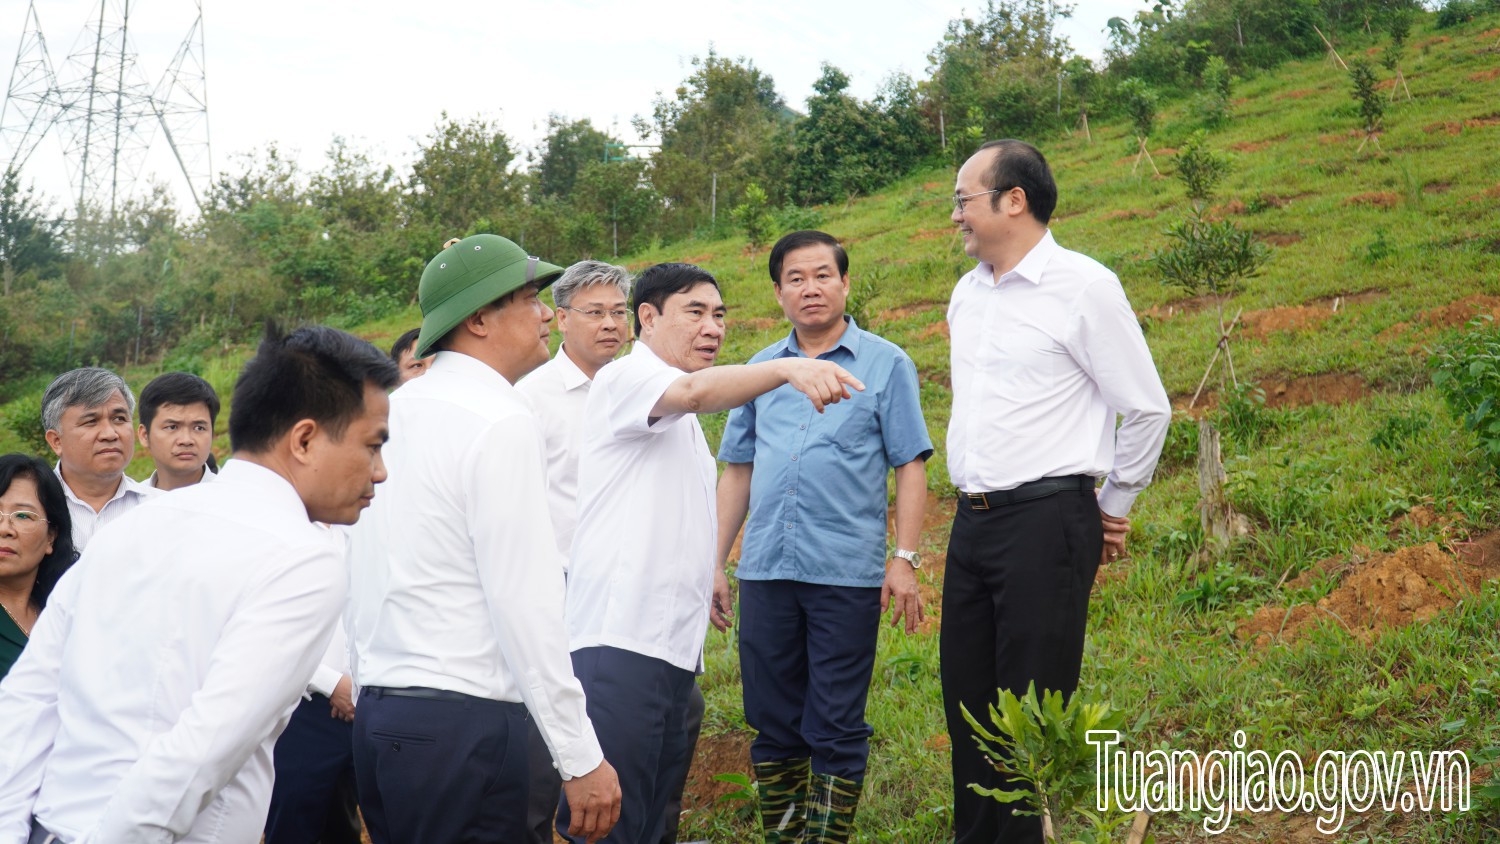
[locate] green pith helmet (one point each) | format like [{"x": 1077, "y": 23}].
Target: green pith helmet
[{"x": 469, "y": 275}]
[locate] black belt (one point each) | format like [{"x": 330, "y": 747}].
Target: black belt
[
  {"x": 424, "y": 693},
  {"x": 1030, "y": 491}
]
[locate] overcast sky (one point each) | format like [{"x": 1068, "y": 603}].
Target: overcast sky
[{"x": 379, "y": 73}]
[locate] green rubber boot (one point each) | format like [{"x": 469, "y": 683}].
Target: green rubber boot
[
  {"x": 830, "y": 809},
  {"x": 783, "y": 799}
]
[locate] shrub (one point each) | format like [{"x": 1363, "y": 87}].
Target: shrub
[{"x": 1467, "y": 373}]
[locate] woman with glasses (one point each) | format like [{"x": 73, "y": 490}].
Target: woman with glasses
[{"x": 36, "y": 547}]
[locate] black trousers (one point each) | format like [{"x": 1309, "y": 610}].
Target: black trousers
[
  {"x": 546, "y": 784},
  {"x": 806, "y": 655},
  {"x": 639, "y": 707},
  {"x": 1015, "y": 604},
  {"x": 312, "y": 800},
  {"x": 449, "y": 770}
]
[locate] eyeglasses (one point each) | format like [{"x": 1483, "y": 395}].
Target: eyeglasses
[
  {"x": 23, "y": 518},
  {"x": 597, "y": 316},
  {"x": 959, "y": 201}
]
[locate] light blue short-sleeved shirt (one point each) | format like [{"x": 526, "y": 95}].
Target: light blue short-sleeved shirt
[{"x": 818, "y": 487}]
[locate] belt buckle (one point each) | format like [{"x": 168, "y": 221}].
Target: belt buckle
[{"x": 977, "y": 501}]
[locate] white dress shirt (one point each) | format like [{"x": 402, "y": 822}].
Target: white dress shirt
[
  {"x": 129, "y": 495},
  {"x": 167, "y": 661},
  {"x": 559, "y": 391},
  {"x": 643, "y": 558},
  {"x": 1044, "y": 359},
  {"x": 208, "y": 475},
  {"x": 457, "y": 583}
]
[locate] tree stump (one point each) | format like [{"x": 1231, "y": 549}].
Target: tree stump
[{"x": 1222, "y": 524}]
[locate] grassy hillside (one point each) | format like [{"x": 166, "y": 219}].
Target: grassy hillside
[{"x": 1335, "y": 625}]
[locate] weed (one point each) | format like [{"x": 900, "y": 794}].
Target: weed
[{"x": 1399, "y": 430}]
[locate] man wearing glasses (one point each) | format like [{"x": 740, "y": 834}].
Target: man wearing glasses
[
  {"x": 1047, "y": 354},
  {"x": 594, "y": 319}
]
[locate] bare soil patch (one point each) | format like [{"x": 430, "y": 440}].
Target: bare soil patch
[
  {"x": 1411, "y": 585},
  {"x": 1130, "y": 214},
  {"x": 904, "y": 311},
  {"x": 1485, "y": 75},
  {"x": 1459, "y": 312},
  {"x": 726, "y": 753},
  {"x": 1380, "y": 199},
  {"x": 1437, "y": 187},
  {"x": 759, "y": 323},
  {"x": 698, "y": 259},
  {"x": 1298, "y": 94},
  {"x": 1441, "y": 39},
  {"x": 1252, "y": 146},
  {"x": 932, "y": 234},
  {"x": 1280, "y": 238},
  {"x": 1168, "y": 310},
  {"x": 1325, "y": 388},
  {"x": 937, "y": 329},
  {"x": 1261, "y": 324},
  {"x": 931, "y": 185},
  {"x": 1233, "y": 206}
]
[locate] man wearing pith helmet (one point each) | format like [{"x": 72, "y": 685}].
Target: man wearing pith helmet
[{"x": 455, "y": 612}]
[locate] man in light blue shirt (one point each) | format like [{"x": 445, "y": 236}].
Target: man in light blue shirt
[{"x": 814, "y": 573}]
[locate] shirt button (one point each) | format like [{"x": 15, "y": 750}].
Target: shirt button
[
  {"x": 802, "y": 427},
  {"x": 788, "y": 525},
  {"x": 794, "y": 458},
  {"x": 791, "y": 491}
]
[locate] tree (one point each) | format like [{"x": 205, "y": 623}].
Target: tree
[
  {"x": 1140, "y": 103},
  {"x": 1004, "y": 64},
  {"x": 462, "y": 174},
  {"x": 567, "y": 148},
  {"x": 1399, "y": 26},
  {"x": 717, "y": 128},
  {"x": 1213, "y": 256},
  {"x": 30, "y": 239},
  {"x": 1371, "y": 106},
  {"x": 754, "y": 217}
]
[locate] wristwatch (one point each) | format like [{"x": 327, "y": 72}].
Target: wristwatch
[{"x": 910, "y": 556}]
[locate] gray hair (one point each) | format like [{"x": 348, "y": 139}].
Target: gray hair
[
  {"x": 587, "y": 274},
  {"x": 86, "y": 387}
]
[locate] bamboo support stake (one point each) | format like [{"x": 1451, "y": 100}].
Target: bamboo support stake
[
  {"x": 1221, "y": 346},
  {"x": 1332, "y": 52}
]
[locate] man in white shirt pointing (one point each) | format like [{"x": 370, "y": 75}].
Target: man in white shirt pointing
[
  {"x": 643, "y": 562},
  {"x": 455, "y": 614},
  {"x": 167, "y": 661},
  {"x": 1047, "y": 356}
]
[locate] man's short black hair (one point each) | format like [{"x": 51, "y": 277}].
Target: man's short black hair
[
  {"x": 800, "y": 240},
  {"x": 659, "y": 283},
  {"x": 316, "y": 373},
  {"x": 404, "y": 343},
  {"x": 179, "y": 388},
  {"x": 1020, "y": 165}
]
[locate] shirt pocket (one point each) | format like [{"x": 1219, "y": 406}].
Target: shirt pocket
[{"x": 853, "y": 432}]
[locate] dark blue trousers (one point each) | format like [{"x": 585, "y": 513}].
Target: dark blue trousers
[
  {"x": 806, "y": 655},
  {"x": 440, "y": 770},
  {"x": 312, "y": 801},
  {"x": 639, "y": 706},
  {"x": 546, "y": 786}
]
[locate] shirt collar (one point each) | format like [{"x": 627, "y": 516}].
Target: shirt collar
[
  {"x": 640, "y": 348},
  {"x": 572, "y": 376},
  {"x": 849, "y": 340},
  {"x": 127, "y": 486},
  {"x": 274, "y": 490},
  {"x": 150, "y": 483},
  {"x": 469, "y": 367},
  {"x": 1029, "y": 269}
]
